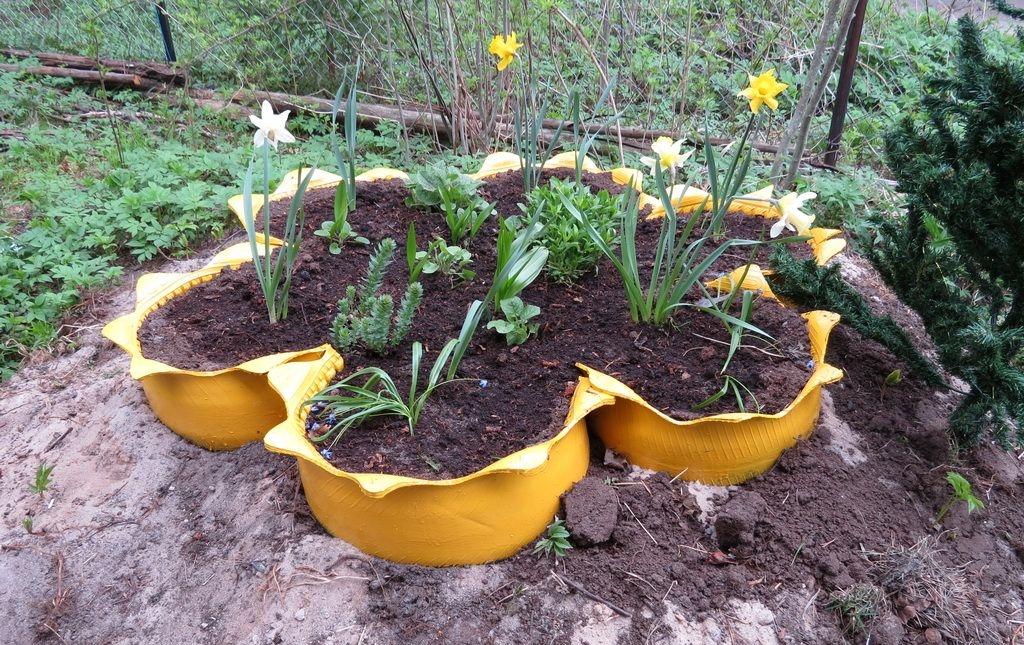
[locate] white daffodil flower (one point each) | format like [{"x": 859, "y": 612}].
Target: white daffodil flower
[
  {"x": 792, "y": 217},
  {"x": 270, "y": 127},
  {"x": 668, "y": 155}
]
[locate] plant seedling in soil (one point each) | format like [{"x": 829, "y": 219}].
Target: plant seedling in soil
[
  {"x": 27, "y": 524},
  {"x": 338, "y": 230},
  {"x": 42, "y": 480},
  {"x": 961, "y": 492},
  {"x": 378, "y": 394},
  {"x": 445, "y": 258},
  {"x": 857, "y": 608},
  {"x": 366, "y": 315},
  {"x": 892, "y": 378},
  {"x": 516, "y": 327},
  {"x": 572, "y": 253},
  {"x": 555, "y": 540},
  {"x": 445, "y": 189}
]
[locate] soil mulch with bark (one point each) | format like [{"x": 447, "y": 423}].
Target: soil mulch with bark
[{"x": 509, "y": 397}]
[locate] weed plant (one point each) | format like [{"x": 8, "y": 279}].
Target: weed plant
[
  {"x": 571, "y": 252},
  {"x": 444, "y": 189}
]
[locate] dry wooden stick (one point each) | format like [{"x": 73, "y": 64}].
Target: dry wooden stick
[{"x": 583, "y": 591}]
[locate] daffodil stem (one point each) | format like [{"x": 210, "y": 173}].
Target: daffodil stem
[{"x": 264, "y": 267}]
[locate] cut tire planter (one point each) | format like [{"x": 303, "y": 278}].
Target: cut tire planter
[
  {"x": 217, "y": 410},
  {"x": 290, "y": 183},
  {"x": 485, "y": 516},
  {"x": 721, "y": 449}
]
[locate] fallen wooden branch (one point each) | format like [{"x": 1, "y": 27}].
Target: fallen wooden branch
[
  {"x": 115, "y": 79},
  {"x": 416, "y": 119},
  {"x": 147, "y": 69}
]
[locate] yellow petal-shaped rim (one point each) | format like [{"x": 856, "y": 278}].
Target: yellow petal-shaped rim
[
  {"x": 824, "y": 242},
  {"x": 218, "y": 410},
  {"x": 486, "y": 516},
  {"x": 290, "y": 183},
  {"x": 750, "y": 278},
  {"x": 719, "y": 449},
  {"x": 499, "y": 162}
]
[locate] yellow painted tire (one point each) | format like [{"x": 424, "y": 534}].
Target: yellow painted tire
[
  {"x": 720, "y": 449},
  {"x": 485, "y": 516},
  {"x": 290, "y": 183},
  {"x": 217, "y": 410}
]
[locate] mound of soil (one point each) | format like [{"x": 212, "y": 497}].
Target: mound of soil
[
  {"x": 143, "y": 538},
  {"x": 509, "y": 397}
]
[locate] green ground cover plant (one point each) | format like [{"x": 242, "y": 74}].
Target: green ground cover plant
[{"x": 73, "y": 217}]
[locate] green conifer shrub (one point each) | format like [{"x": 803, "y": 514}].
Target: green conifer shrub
[{"x": 955, "y": 255}]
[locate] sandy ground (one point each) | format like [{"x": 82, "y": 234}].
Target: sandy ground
[{"x": 142, "y": 537}]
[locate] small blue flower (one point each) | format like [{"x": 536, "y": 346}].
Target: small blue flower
[
  {"x": 809, "y": 365},
  {"x": 327, "y": 454},
  {"x": 484, "y": 383},
  {"x": 332, "y": 419}
]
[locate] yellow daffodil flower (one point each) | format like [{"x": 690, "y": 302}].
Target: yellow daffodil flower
[
  {"x": 505, "y": 49},
  {"x": 792, "y": 217},
  {"x": 762, "y": 90},
  {"x": 270, "y": 127},
  {"x": 668, "y": 155}
]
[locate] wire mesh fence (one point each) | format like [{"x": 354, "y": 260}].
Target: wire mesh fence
[{"x": 677, "y": 63}]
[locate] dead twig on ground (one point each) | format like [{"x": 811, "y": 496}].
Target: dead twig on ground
[{"x": 583, "y": 591}]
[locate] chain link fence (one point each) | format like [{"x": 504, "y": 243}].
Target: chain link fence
[{"x": 677, "y": 62}]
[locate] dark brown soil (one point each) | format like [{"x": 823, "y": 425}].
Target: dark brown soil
[
  {"x": 511, "y": 396},
  {"x": 792, "y": 540}
]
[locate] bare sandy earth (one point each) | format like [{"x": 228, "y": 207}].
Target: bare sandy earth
[{"x": 145, "y": 538}]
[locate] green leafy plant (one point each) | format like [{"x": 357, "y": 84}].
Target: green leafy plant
[
  {"x": 41, "y": 483},
  {"x": 338, "y": 230},
  {"x": 371, "y": 392},
  {"x": 443, "y": 188},
  {"x": 516, "y": 326},
  {"x": 448, "y": 259},
  {"x": 676, "y": 267},
  {"x": 519, "y": 259},
  {"x": 27, "y": 523},
  {"x": 571, "y": 251},
  {"x": 367, "y": 316},
  {"x": 962, "y": 492},
  {"x": 555, "y": 541}
]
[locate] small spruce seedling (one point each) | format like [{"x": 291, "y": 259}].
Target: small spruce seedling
[
  {"x": 42, "y": 480},
  {"x": 961, "y": 492},
  {"x": 555, "y": 540}
]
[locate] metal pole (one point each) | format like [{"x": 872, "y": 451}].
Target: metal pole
[
  {"x": 835, "y": 130},
  {"x": 165, "y": 32}
]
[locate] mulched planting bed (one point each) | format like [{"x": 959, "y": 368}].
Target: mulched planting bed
[{"x": 512, "y": 396}]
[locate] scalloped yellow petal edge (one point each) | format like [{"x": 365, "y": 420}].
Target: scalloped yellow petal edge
[
  {"x": 290, "y": 183},
  {"x": 719, "y": 449},
  {"x": 220, "y": 409},
  {"x": 485, "y": 516},
  {"x": 824, "y": 242},
  {"x": 684, "y": 199}
]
